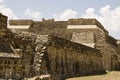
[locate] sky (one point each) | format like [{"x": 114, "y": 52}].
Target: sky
[{"x": 105, "y": 11}]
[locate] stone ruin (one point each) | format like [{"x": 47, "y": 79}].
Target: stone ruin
[{"x": 55, "y": 50}]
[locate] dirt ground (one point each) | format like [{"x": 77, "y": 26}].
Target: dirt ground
[{"x": 114, "y": 75}]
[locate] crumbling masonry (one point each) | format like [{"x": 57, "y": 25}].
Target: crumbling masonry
[{"x": 55, "y": 49}]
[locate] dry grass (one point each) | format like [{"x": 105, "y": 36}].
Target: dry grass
[{"x": 114, "y": 75}]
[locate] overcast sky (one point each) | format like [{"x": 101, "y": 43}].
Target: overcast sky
[{"x": 106, "y": 11}]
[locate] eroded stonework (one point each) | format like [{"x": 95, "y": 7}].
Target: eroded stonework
[
  {"x": 54, "y": 50},
  {"x": 85, "y": 38}
]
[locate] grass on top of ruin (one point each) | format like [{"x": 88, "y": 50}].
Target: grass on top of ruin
[{"x": 113, "y": 75}]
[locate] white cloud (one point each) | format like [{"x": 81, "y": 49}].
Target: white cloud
[
  {"x": 67, "y": 14},
  {"x": 90, "y": 13},
  {"x": 109, "y": 18},
  {"x": 6, "y": 11},
  {"x": 33, "y": 14},
  {"x": 1, "y": 1}
]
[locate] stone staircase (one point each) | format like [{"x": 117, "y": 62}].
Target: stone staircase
[
  {"x": 39, "y": 57},
  {"x": 39, "y": 51}
]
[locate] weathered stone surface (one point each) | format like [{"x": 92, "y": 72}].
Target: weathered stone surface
[
  {"x": 20, "y": 22},
  {"x": 86, "y": 38},
  {"x": 3, "y": 22},
  {"x": 118, "y": 43},
  {"x": 61, "y": 57},
  {"x": 9, "y": 59},
  {"x": 40, "y": 49},
  {"x": 67, "y": 59},
  {"x": 83, "y": 21}
]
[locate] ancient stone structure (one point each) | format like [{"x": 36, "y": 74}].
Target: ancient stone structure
[
  {"x": 9, "y": 59},
  {"x": 100, "y": 39},
  {"x": 3, "y": 22},
  {"x": 15, "y": 52},
  {"x": 21, "y": 24},
  {"x": 118, "y": 43},
  {"x": 84, "y": 31},
  {"x": 67, "y": 59},
  {"x": 55, "y": 49}
]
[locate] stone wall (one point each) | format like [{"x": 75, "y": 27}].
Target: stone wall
[
  {"x": 20, "y": 22},
  {"x": 101, "y": 39},
  {"x": 10, "y": 61},
  {"x": 59, "y": 28},
  {"x": 110, "y": 56},
  {"x": 111, "y": 40},
  {"x": 12, "y": 69},
  {"x": 3, "y": 22},
  {"x": 15, "y": 56},
  {"x": 118, "y": 43},
  {"x": 25, "y": 42},
  {"x": 51, "y": 26},
  {"x": 48, "y": 27},
  {"x": 68, "y": 59},
  {"x": 61, "y": 53},
  {"x": 83, "y": 21},
  {"x": 85, "y": 38},
  {"x": 33, "y": 49},
  {"x": 8, "y": 67}
]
